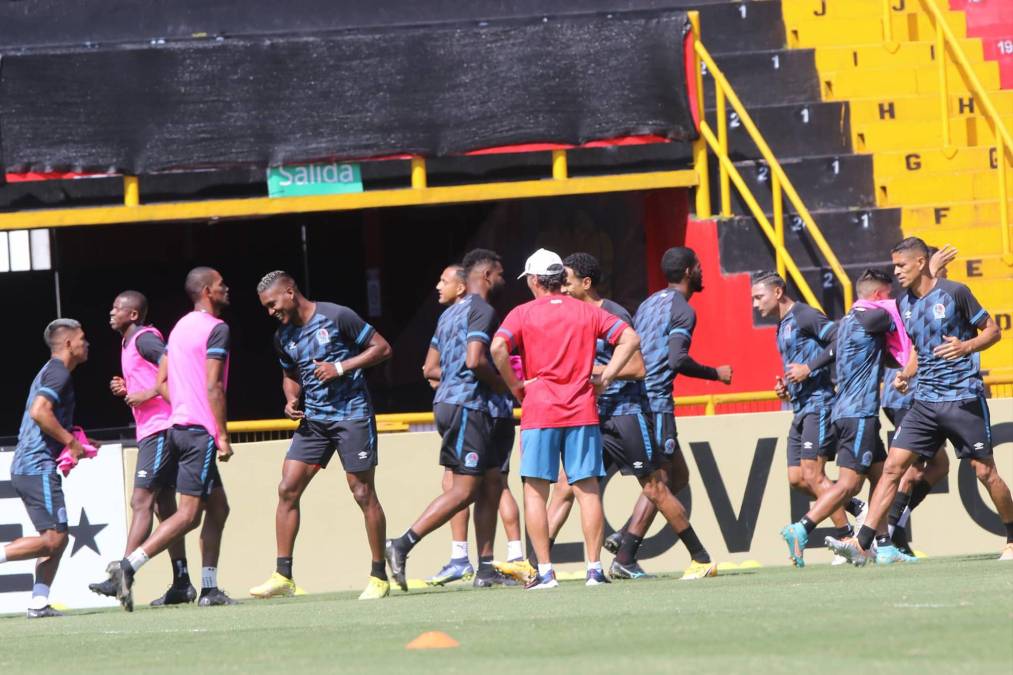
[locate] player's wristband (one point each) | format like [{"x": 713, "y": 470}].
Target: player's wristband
[{"x": 338, "y": 367}]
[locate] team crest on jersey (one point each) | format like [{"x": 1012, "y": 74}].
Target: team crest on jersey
[
  {"x": 323, "y": 337},
  {"x": 471, "y": 460},
  {"x": 867, "y": 458},
  {"x": 939, "y": 310},
  {"x": 669, "y": 446}
]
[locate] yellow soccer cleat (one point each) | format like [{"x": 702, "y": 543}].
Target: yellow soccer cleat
[
  {"x": 698, "y": 570},
  {"x": 276, "y": 586},
  {"x": 519, "y": 570},
  {"x": 1007, "y": 552},
  {"x": 376, "y": 589}
]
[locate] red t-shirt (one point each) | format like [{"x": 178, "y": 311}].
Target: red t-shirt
[{"x": 556, "y": 336}]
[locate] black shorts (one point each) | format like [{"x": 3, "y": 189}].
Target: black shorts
[
  {"x": 42, "y": 495},
  {"x": 197, "y": 456},
  {"x": 503, "y": 432},
  {"x": 811, "y": 436},
  {"x": 665, "y": 436},
  {"x": 627, "y": 444},
  {"x": 467, "y": 447},
  {"x": 964, "y": 423},
  {"x": 315, "y": 442},
  {"x": 895, "y": 415},
  {"x": 156, "y": 466},
  {"x": 859, "y": 444}
]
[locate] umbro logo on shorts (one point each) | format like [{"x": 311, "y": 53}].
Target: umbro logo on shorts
[
  {"x": 979, "y": 445},
  {"x": 142, "y": 474},
  {"x": 808, "y": 445},
  {"x": 363, "y": 455},
  {"x": 638, "y": 465}
]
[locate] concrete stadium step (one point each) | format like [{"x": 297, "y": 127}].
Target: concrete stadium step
[
  {"x": 972, "y": 242},
  {"x": 731, "y": 27},
  {"x": 967, "y": 269},
  {"x": 823, "y": 183},
  {"x": 924, "y": 108},
  {"x": 968, "y": 131},
  {"x": 818, "y": 31},
  {"x": 791, "y": 130},
  {"x": 913, "y": 190},
  {"x": 926, "y": 161},
  {"x": 859, "y": 239},
  {"x": 907, "y": 81},
  {"x": 774, "y": 77},
  {"x": 951, "y": 214},
  {"x": 906, "y": 55}
]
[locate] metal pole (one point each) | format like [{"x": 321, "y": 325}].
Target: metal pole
[{"x": 306, "y": 262}]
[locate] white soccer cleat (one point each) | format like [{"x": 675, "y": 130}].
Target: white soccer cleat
[
  {"x": 1007, "y": 552},
  {"x": 838, "y": 560}
]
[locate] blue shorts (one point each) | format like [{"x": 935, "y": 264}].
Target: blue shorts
[{"x": 580, "y": 448}]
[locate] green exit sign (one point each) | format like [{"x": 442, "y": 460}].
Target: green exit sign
[{"x": 300, "y": 180}]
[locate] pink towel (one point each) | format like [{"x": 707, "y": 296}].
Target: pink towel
[
  {"x": 66, "y": 461},
  {"x": 897, "y": 343},
  {"x": 518, "y": 366}
]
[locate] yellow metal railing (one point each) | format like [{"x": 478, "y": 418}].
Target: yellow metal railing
[
  {"x": 999, "y": 386},
  {"x": 728, "y": 174},
  {"x": 948, "y": 50}
]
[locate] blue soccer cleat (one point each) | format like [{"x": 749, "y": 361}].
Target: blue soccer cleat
[
  {"x": 455, "y": 570},
  {"x": 596, "y": 578},
  {"x": 796, "y": 537},
  {"x": 890, "y": 554}
]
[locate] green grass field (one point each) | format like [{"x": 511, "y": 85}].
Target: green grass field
[{"x": 948, "y": 615}]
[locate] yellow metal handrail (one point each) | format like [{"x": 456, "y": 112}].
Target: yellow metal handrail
[
  {"x": 728, "y": 174},
  {"x": 1004, "y": 144},
  {"x": 403, "y": 421}
]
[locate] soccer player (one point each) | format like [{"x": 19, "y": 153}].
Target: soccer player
[
  {"x": 627, "y": 439},
  {"x": 921, "y": 476},
  {"x": 195, "y": 371},
  {"x": 45, "y": 432},
  {"x": 948, "y": 328},
  {"x": 665, "y": 322},
  {"x": 555, "y": 334},
  {"x": 482, "y": 270},
  {"x": 803, "y": 336},
  {"x": 142, "y": 347},
  {"x": 324, "y": 350},
  {"x": 860, "y": 351},
  {"x": 474, "y": 443}
]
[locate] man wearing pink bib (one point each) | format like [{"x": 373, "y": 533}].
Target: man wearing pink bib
[
  {"x": 155, "y": 477},
  {"x": 195, "y": 368}
]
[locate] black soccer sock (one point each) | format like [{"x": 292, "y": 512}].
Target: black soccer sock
[
  {"x": 180, "y": 573},
  {"x": 283, "y": 566},
  {"x": 1009, "y": 533},
  {"x": 855, "y": 506},
  {"x": 845, "y": 532},
  {"x": 696, "y": 550},
  {"x": 377, "y": 569},
  {"x": 406, "y": 542},
  {"x": 919, "y": 491},
  {"x": 866, "y": 536},
  {"x": 899, "y": 538},
  {"x": 485, "y": 565},
  {"x": 900, "y": 502},
  {"x": 628, "y": 547},
  {"x": 808, "y": 524}
]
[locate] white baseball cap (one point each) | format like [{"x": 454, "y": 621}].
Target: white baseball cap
[{"x": 542, "y": 262}]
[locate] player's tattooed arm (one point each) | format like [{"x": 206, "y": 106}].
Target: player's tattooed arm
[
  {"x": 376, "y": 351},
  {"x": 988, "y": 330}
]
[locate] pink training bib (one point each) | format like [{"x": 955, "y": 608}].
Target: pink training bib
[
  {"x": 152, "y": 416},
  {"x": 188, "y": 354},
  {"x": 897, "y": 343}
]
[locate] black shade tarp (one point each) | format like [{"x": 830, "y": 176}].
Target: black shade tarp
[{"x": 430, "y": 90}]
